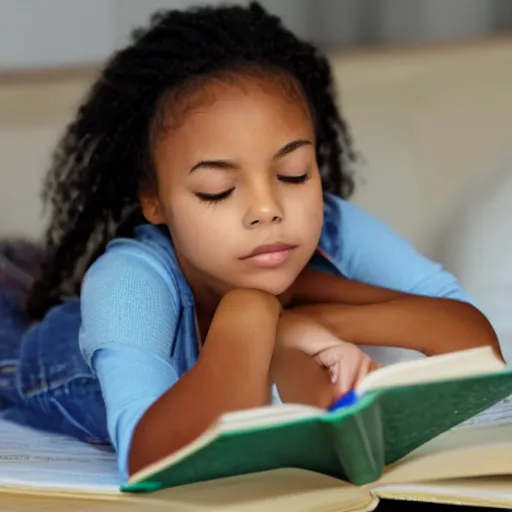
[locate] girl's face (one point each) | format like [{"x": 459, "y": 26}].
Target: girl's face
[{"x": 238, "y": 185}]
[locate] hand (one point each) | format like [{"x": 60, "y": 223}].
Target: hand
[{"x": 346, "y": 363}]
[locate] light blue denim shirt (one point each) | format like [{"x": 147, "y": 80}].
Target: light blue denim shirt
[{"x": 138, "y": 331}]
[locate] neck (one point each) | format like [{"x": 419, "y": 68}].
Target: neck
[
  {"x": 206, "y": 302},
  {"x": 206, "y": 297}
]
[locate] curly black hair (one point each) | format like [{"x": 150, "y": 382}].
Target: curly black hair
[{"x": 105, "y": 154}]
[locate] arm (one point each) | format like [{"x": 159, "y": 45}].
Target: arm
[
  {"x": 391, "y": 295},
  {"x": 232, "y": 373},
  {"x": 130, "y": 310},
  {"x": 300, "y": 379},
  {"x": 315, "y": 287},
  {"x": 370, "y": 315},
  {"x": 311, "y": 365},
  {"x": 429, "y": 325}
]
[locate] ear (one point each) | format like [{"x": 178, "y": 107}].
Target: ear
[{"x": 150, "y": 206}]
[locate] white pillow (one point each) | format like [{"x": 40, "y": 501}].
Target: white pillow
[{"x": 477, "y": 247}]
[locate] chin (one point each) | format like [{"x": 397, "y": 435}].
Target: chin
[{"x": 275, "y": 285}]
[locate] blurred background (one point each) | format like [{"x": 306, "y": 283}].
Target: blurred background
[
  {"x": 426, "y": 86},
  {"x": 39, "y": 33}
]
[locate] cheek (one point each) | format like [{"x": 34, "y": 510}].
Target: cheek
[
  {"x": 310, "y": 208},
  {"x": 198, "y": 230}
]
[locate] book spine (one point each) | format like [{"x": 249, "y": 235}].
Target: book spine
[{"x": 358, "y": 442}]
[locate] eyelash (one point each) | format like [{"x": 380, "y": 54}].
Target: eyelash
[
  {"x": 295, "y": 179},
  {"x": 216, "y": 198}
]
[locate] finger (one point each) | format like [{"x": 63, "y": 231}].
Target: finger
[
  {"x": 330, "y": 368},
  {"x": 346, "y": 375},
  {"x": 364, "y": 369},
  {"x": 334, "y": 373},
  {"x": 375, "y": 366},
  {"x": 329, "y": 356},
  {"x": 347, "y": 372},
  {"x": 343, "y": 364},
  {"x": 329, "y": 359}
]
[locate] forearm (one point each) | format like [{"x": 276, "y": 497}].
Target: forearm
[
  {"x": 314, "y": 287},
  {"x": 300, "y": 379},
  {"x": 429, "y": 325},
  {"x": 232, "y": 373}
]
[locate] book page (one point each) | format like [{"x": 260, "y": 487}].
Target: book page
[
  {"x": 35, "y": 459},
  {"x": 465, "y": 363},
  {"x": 476, "y": 492},
  {"x": 498, "y": 414},
  {"x": 458, "y": 453},
  {"x": 281, "y": 490}
]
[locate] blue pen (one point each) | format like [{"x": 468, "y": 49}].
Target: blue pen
[{"x": 347, "y": 399}]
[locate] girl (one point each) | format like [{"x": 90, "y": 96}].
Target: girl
[{"x": 200, "y": 249}]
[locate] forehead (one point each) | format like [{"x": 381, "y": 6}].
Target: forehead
[{"x": 215, "y": 103}]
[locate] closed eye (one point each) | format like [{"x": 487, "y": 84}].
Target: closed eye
[
  {"x": 294, "y": 179},
  {"x": 214, "y": 198}
]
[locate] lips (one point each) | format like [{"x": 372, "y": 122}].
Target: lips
[
  {"x": 269, "y": 256},
  {"x": 269, "y": 249}
]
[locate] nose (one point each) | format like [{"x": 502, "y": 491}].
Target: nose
[{"x": 263, "y": 209}]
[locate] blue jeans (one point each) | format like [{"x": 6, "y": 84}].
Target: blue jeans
[{"x": 42, "y": 371}]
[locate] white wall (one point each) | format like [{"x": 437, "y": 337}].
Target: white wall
[
  {"x": 54, "y": 33},
  {"x": 51, "y": 33},
  {"x": 134, "y": 13},
  {"x": 42, "y": 33},
  {"x": 433, "y": 20},
  {"x": 131, "y": 13}
]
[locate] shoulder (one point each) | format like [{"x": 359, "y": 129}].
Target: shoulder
[
  {"x": 367, "y": 249},
  {"x": 147, "y": 256},
  {"x": 342, "y": 217},
  {"x": 130, "y": 296},
  {"x": 352, "y": 234}
]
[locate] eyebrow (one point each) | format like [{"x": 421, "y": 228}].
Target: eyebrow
[{"x": 229, "y": 165}]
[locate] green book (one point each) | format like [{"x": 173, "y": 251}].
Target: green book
[{"x": 398, "y": 409}]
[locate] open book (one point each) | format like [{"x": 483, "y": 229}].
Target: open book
[{"x": 387, "y": 444}]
